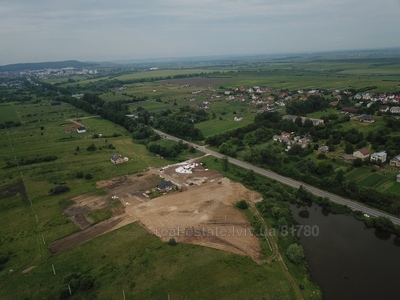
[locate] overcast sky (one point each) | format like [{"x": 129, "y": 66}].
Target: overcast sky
[{"x": 98, "y": 30}]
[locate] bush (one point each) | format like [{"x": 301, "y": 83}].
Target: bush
[
  {"x": 172, "y": 242},
  {"x": 80, "y": 174},
  {"x": 242, "y": 204},
  {"x": 295, "y": 253},
  {"x": 59, "y": 190},
  {"x": 88, "y": 176},
  {"x": 92, "y": 147}
]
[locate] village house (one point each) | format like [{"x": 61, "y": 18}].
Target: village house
[
  {"x": 362, "y": 153},
  {"x": 303, "y": 119},
  {"x": 118, "y": 159},
  {"x": 379, "y": 157},
  {"x": 349, "y": 110},
  {"x": 81, "y": 129},
  {"x": 395, "y": 109},
  {"x": 323, "y": 149},
  {"x": 384, "y": 109},
  {"x": 395, "y": 162},
  {"x": 398, "y": 178},
  {"x": 165, "y": 186},
  {"x": 367, "y": 118},
  {"x": 238, "y": 118}
]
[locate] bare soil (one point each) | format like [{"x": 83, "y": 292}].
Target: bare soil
[{"x": 202, "y": 213}]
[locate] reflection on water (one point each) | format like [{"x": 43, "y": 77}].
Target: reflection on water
[{"x": 349, "y": 261}]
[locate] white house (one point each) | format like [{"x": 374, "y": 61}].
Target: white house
[
  {"x": 395, "y": 109},
  {"x": 379, "y": 157}
]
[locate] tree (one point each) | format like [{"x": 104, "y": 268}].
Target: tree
[
  {"x": 242, "y": 204},
  {"x": 59, "y": 190},
  {"x": 92, "y": 147},
  {"x": 172, "y": 242},
  {"x": 88, "y": 176},
  {"x": 295, "y": 253},
  {"x": 349, "y": 149},
  {"x": 357, "y": 162},
  {"x": 225, "y": 163}
]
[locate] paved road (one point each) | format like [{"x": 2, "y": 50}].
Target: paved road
[{"x": 288, "y": 181}]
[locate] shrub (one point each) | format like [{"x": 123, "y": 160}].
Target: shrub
[
  {"x": 172, "y": 242},
  {"x": 295, "y": 253},
  {"x": 92, "y": 147},
  {"x": 242, "y": 204},
  {"x": 88, "y": 176},
  {"x": 59, "y": 190}
]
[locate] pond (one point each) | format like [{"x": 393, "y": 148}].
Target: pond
[{"x": 347, "y": 260}]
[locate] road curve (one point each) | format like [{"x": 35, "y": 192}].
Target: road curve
[{"x": 289, "y": 181}]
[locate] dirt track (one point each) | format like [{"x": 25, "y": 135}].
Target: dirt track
[{"x": 202, "y": 214}]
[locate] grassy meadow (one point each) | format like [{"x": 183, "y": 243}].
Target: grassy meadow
[{"x": 115, "y": 263}]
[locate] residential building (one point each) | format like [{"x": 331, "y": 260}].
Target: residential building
[
  {"x": 165, "y": 186},
  {"x": 323, "y": 149},
  {"x": 395, "y": 109},
  {"x": 362, "y": 153},
  {"x": 379, "y": 157},
  {"x": 384, "y": 109},
  {"x": 81, "y": 129},
  {"x": 238, "y": 118},
  {"x": 367, "y": 118},
  {"x": 118, "y": 159},
  {"x": 398, "y": 178},
  {"x": 395, "y": 162},
  {"x": 350, "y": 110}
]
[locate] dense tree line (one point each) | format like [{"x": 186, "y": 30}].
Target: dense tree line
[
  {"x": 30, "y": 161},
  {"x": 170, "y": 151},
  {"x": 301, "y": 108}
]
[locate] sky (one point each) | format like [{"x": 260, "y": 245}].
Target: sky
[{"x": 104, "y": 30}]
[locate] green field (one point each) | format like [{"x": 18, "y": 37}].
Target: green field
[
  {"x": 132, "y": 262},
  {"x": 8, "y": 113},
  {"x": 380, "y": 180},
  {"x": 372, "y": 180}
]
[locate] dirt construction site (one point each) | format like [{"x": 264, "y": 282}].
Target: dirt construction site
[{"x": 197, "y": 210}]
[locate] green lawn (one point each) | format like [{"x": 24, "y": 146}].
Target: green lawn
[
  {"x": 131, "y": 261},
  {"x": 8, "y": 113}
]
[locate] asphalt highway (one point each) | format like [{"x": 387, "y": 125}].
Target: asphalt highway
[{"x": 288, "y": 181}]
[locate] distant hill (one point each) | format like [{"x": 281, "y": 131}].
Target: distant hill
[{"x": 46, "y": 65}]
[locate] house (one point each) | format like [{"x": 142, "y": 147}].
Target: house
[
  {"x": 362, "y": 153},
  {"x": 118, "y": 159},
  {"x": 395, "y": 109},
  {"x": 165, "y": 186},
  {"x": 238, "y": 118},
  {"x": 81, "y": 129},
  {"x": 384, "y": 109},
  {"x": 367, "y": 118},
  {"x": 323, "y": 149},
  {"x": 398, "y": 178},
  {"x": 289, "y": 117},
  {"x": 379, "y": 157},
  {"x": 68, "y": 130},
  {"x": 395, "y": 162},
  {"x": 350, "y": 110}
]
